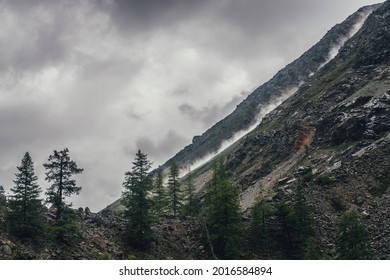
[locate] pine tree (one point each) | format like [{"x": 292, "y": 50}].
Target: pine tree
[
  {"x": 138, "y": 205},
  {"x": 259, "y": 230},
  {"x": 3, "y": 204},
  {"x": 303, "y": 223},
  {"x": 190, "y": 206},
  {"x": 174, "y": 191},
  {"x": 224, "y": 216},
  {"x": 25, "y": 208},
  {"x": 60, "y": 170},
  {"x": 352, "y": 238},
  {"x": 160, "y": 196},
  {"x": 3, "y": 199}
]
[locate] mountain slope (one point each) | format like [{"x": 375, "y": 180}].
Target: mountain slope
[
  {"x": 280, "y": 87},
  {"x": 333, "y": 134}
]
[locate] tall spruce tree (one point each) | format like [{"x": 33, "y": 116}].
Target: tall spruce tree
[
  {"x": 3, "y": 199},
  {"x": 261, "y": 213},
  {"x": 25, "y": 218},
  {"x": 190, "y": 207},
  {"x": 60, "y": 170},
  {"x": 160, "y": 196},
  {"x": 174, "y": 191},
  {"x": 138, "y": 185},
  {"x": 224, "y": 215}
]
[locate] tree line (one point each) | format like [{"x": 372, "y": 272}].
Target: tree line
[
  {"x": 24, "y": 213},
  {"x": 148, "y": 198}
]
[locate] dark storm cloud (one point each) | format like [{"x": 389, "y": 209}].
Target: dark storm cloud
[
  {"x": 107, "y": 77},
  {"x": 141, "y": 15},
  {"x": 36, "y": 40},
  {"x": 161, "y": 147},
  {"x": 213, "y": 113}
]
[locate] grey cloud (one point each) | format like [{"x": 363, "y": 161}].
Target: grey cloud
[
  {"x": 211, "y": 114},
  {"x": 141, "y": 15},
  {"x": 36, "y": 42},
  {"x": 101, "y": 51},
  {"x": 162, "y": 146}
]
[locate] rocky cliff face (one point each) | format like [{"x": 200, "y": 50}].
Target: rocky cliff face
[{"x": 280, "y": 87}]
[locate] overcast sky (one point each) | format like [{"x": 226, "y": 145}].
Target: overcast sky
[{"x": 106, "y": 77}]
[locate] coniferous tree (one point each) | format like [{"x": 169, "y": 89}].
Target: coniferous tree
[
  {"x": 25, "y": 218},
  {"x": 160, "y": 196},
  {"x": 352, "y": 238},
  {"x": 224, "y": 216},
  {"x": 259, "y": 230},
  {"x": 190, "y": 206},
  {"x": 303, "y": 223},
  {"x": 3, "y": 203},
  {"x": 295, "y": 227},
  {"x": 3, "y": 199},
  {"x": 60, "y": 170},
  {"x": 174, "y": 191},
  {"x": 138, "y": 205}
]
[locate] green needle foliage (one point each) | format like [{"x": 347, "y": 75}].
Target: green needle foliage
[
  {"x": 190, "y": 207},
  {"x": 60, "y": 170},
  {"x": 25, "y": 215},
  {"x": 3, "y": 199},
  {"x": 224, "y": 215},
  {"x": 352, "y": 238},
  {"x": 160, "y": 196},
  {"x": 174, "y": 191},
  {"x": 261, "y": 213},
  {"x": 138, "y": 205}
]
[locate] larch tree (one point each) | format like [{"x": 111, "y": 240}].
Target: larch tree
[
  {"x": 3, "y": 199},
  {"x": 60, "y": 170},
  {"x": 138, "y": 204},
  {"x": 224, "y": 215},
  {"x": 25, "y": 215},
  {"x": 160, "y": 195},
  {"x": 174, "y": 191},
  {"x": 190, "y": 207}
]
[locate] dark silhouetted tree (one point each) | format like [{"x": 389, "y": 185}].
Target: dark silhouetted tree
[
  {"x": 224, "y": 215},
  {"x": 352, "y": 238},
  {"x": 3, "y": 199},
  {"x": 174, "y": 191},
  {"x": 160, "y": 198},
  {"x": 60, "y": 170},
  {"x": 261, "y": 213},
  {"x": 25, "y": 216},
  {"x": 138, "y": 186},
  {"x": 190, "y": 207}
]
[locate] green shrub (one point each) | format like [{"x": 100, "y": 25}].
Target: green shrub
[
  {"x": 338, "y": 204},
  {"x": 323, "y": 180}
]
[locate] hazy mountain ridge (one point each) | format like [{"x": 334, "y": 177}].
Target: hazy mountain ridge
[{"x": 336, "y": 126}]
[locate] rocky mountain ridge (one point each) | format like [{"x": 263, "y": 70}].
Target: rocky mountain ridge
[{"x": 272, "y": 93}]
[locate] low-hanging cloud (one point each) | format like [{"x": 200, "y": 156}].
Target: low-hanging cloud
[
  {"x": 107, "y": 77},
  {"x": 211, "y": 114}
]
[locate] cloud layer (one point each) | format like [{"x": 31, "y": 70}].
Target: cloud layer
[{"x": 106, "y": 77}]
